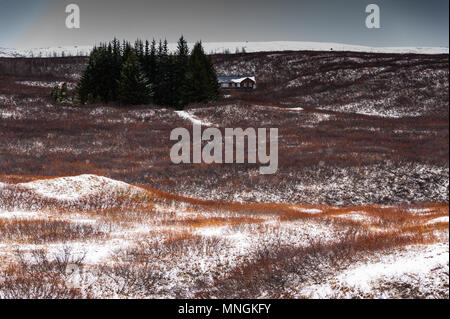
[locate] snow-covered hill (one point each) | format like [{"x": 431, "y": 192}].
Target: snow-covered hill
[
  {"x": 75, "y": 187},
  {"x": 130, "y": 246},
  {"x": 218, "y": 47},
  {"x": 221, "y": 47},
  {"x": 46, "y": 52}
]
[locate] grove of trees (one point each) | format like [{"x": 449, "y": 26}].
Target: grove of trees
[{"x": 148, "y": 73}]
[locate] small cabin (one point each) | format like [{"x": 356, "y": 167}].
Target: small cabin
[{"x": 237, "y": 82}]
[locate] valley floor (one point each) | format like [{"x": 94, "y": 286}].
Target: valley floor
[
  {"x": 92, "y": 207},
  {"x": 124, "y": 241}
]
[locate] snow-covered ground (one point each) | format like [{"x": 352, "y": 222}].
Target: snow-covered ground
[
  {"x": 417, "y": 268},
  {"x": 221, "y": 47},
  {"x": 142, "y": 243},
  {"x": 192, "y": 118},
  {"x": 47, "y": 84},
  {"x": 155, "y": 245},
  {"x": 75, "y": 187}
]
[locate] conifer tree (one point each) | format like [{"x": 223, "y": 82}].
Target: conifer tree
[
  {"x": 134, "y": 86},
  {"x": 200, "y": 83},
  {"x": 86, "y": 87},
  {"x": 152, "y": 62},
  {"x": 55, "y": 93},
  {"x": 146, "y": 59},
  {"x": 63, "y": 92},
  {"x": 180, "y": 68},
  {"x": 119, "y": 72}
]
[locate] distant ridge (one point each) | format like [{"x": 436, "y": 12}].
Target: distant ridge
[{"x": 232, "y": 47}]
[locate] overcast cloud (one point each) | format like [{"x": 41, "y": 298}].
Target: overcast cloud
[{"x": 41, "y": 23}]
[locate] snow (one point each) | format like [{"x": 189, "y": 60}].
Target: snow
[
  {"x": 46, "y": 52},
  {"x": 5, "y": 114},
  {"x": 415, "y": 265},
  {"x": 371, "y": 108},
  {"x": 358, "y": 216},
  {"x": 308, "y": 210},
  {"x": 239, "y": 80},
  {"x": 46, "y": 84},
  {"x": 21, "y": 215},
  {"x": 399, "y": 265},
  {"x": 187, "y": 116},
  {"x": 207, "y": 251},
  {"x": 443, "y": 219},
  {"x": 76, "y": 187},
  {"x": 221, "y": 47},
  {"x": 277, "y": 108},
  {"x": 419, "y": 210}
]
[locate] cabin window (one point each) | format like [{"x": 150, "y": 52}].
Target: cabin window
[{"x": 245, "y": 84}]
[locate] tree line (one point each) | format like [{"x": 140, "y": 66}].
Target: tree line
[{"x": 148, "y": 73}]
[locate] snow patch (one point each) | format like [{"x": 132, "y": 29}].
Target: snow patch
[
  {"x": 420, "y": 262},
  {"x": 443, "y": 219},
  {"x": 308, "y": 210},
  {"x": 187, "y": 116},
  {"x": 76, "y": 187},
  {"x": 21, "y": 215},
  {"x": 419, "y": 210}
]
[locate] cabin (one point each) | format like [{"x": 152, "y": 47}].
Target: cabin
[{"x": 242, "y": 82}]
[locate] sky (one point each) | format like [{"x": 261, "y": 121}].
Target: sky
[{"x": 41, "y": 23}]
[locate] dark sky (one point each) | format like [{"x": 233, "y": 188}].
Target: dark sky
[{"x": 41, "y": 23}]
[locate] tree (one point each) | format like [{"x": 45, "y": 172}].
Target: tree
[
  {"x": 59, "y": 94},
  {"x": 162, "y": 81},
  {"x": 152, "y": 63},
  {"x": 63, "y": 92},
  {"x": 180, "y": 69},
  {"x": 55, "y": 93},
  {"x": 134, "y": 86},
  {"x": 84, "y": 88},
  {"x": 100, "y": 77},
  {"x": 121, "y": 72},
  {"x": 200, "y": 82}
]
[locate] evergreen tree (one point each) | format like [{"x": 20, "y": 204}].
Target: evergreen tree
[
  {"x": 119, "y": 72},
  {"x": 55, "y": 93},
  {"x": 179, "y": 70},
  {"x": 126, "y": 50},
  {"x": 134, "y": 86},
  {"x": 162, "y": 75},
  {"x": 116, "y": 66},
  {"x": 99, "y": 81},
  {"x": 146, "y": 59},
  {"x": 86, "y": 87},
  {"x": 139, "y": 48},
  {"x": 152, "y": 64},
  {"x": 63, "y": 92},
  {"x": 166, "y": 75},
  {"x": 59, "y": 94},
  {"x": 200, "y": 83}
]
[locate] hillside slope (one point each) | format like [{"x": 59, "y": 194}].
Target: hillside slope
[
  {"x": 134, "y": 242},
  {"x": 374, "y": 84},
  {"x": 354, "y": 128}
]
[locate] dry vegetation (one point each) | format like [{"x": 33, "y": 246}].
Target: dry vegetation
[
  {"x": 159, "y": 245},
  {"x": 390, "y": 156},
  {"x": 358, "y": 209}
]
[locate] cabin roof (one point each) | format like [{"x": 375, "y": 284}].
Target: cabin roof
[{"x": 235, "y": 79}]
